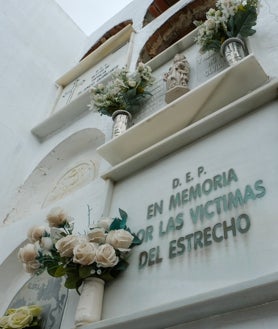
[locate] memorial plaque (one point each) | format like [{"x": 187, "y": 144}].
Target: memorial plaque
[
  {"x": 93, "y": 76},
  {"x": 205, "y": 215}
]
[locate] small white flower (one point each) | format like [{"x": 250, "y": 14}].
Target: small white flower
[
  {"x": 46, "y": 243},
  {"x": 104, "y": 222},
  {"x": 35, "y": 233},
  {"x": 57, "y": 217},
  {"x": 132, "y": 83},
  {"x": 28, "y": 253}
]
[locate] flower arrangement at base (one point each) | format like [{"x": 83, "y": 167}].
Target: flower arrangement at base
[
  {"x": 22, "y": 317},
  {"x": 231, "y": 18},
  {"x": 101, "y": 252},
  {"x": 124, "y": 92}
]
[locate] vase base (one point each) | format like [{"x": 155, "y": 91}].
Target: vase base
[{"x": 83, "y": 319}]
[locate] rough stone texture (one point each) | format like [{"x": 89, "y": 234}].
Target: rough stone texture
[
  {"x": 156, "y": 8},
  {"x": 176, "y": 27},
  {"x": 106, "y": 36}
]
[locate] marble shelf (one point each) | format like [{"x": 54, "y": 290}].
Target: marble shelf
[
  {"x": 231, "y": 94},
  {"x": 226, "y": 87}
]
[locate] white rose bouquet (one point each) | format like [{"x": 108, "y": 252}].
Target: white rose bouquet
[
  {"x": 101, "y": 252},
  {"x": 125, "y": 91},
  {"x": 22, "y": 317},
  {"x": 230, "y": 18}
]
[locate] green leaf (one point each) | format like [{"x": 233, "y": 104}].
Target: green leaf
[
  {"x": 56, "y": 270},
  {"x": 122, "y": 265},
  {"x": 107, "y": 277},
  {"x": 211, "y": 45},
  {"x": 130, "y": 93},
  {"x": 136, "y": 241},
  {"x": 73, "y": 282},
  {"x": 119, "y": 268},
  {"x": 116, "y": 224},
  {"x": 85, "y": 271},
  {"x": 244, "y": 20},
  {"x": 119, "y": 223},
  {"x": 123, "y": 214}
]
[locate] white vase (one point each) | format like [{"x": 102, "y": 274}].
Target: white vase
[
  {"x": 121, "y": 121},
  {"x": 89, "y": 307},
  {"x": 233, "y": 50}
]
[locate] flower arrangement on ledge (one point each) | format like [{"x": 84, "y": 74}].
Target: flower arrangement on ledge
[
  {"x": 124, "y": 92},
  {"x": 101, "y": 252},
  {"x": 22, "y": 317},
  {"x": 231, "y": 18}
]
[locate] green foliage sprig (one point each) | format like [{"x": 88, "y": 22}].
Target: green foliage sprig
[{"x": 125, "y": 91}]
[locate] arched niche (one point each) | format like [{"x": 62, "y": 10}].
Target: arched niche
[
  {"x": 70, "y": 166},
  {"x": 19, "y": 289},
  {"x": 156, "y": 8},
  {"x": 107, "y": 35},
  {"x": 176, "y": 27}
]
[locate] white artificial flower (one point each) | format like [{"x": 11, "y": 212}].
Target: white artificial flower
[
  {"x": 104, "y": 222},
  {"x": 106, "y": 256},
  {"x": 119, "y": 239},
  {"x": 28, "y": 253},
  {"x": 57, "y": 217},
  {"x": 85, "y": 253},
  {"x": 46, "y": 243},
  {"x": 35, "y": 233},
  {"x": 66, "y": 245},
  {"x": 97, "y": 235}
]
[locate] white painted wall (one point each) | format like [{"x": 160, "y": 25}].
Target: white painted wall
[{"x": 39, "y": 44}]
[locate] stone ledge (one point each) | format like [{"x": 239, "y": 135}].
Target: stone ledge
[
  {"x": 235, "y": 297},
  {"x": 216, "y": 93}
]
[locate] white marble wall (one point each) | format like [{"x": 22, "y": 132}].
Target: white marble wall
[{"x": 39, "y": 45}]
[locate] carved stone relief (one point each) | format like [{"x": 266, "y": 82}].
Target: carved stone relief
[
  {"x": 73, "y": 179},
  {"x": 69, "y": 166},
  {"x": 177, "y": 78}
]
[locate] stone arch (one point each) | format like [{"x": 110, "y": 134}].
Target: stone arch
[
  {"x": 70, "y": 165},
  {"x": 176, "y": 27},
  {"x": 156, "y": 8},
  {"x": 114, "y": 30}
]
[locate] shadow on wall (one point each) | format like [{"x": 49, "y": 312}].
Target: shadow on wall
[{"x": 70, "y": 166}]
